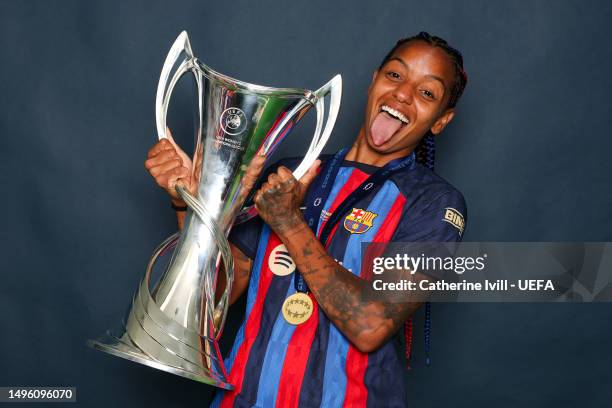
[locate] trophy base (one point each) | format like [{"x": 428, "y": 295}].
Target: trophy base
[
  {"x": 122, "y": 347},
  {"x": 149, "y": 337}
]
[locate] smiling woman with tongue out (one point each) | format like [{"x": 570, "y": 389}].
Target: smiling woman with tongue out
[
  {"x": 316, "y": 332},
  {"x": 412, "y": 94}
]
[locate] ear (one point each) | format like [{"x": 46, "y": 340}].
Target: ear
[
  {"x": 442, "y": 121},
  {"x": 372, "y": 81}
]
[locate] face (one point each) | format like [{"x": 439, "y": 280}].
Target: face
[{"x": 407, "y": 98}]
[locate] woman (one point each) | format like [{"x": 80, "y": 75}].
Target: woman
[{"x": 315, "y": 333}]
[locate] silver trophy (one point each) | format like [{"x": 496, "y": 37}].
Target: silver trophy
[{"x": 175, "y": 324}]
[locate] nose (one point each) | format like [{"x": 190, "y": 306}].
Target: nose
[{"x": 404, "y": 93}]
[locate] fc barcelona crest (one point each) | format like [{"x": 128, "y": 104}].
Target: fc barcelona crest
[{"x": 359, "y": 221}]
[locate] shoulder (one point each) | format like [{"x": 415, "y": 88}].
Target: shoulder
[
  {"x": 424, "y": 188},
  {"x": 432, "y": 203}
]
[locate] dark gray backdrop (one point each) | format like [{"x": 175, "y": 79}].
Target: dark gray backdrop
[{"x": 529, "y": 149}]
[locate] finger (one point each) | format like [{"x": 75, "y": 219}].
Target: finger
[
  {"x": 159, "y": 147},
  {"x": 193, "y": 181},
  {"x": 179, "y": 151},
  {"x": 284, "y": 174},
  {"x": 255, "y": 167},
  {"x": 273, "y": 179},
  {"x": 198, "y": 163},
  {"x": 169, "y": 137},
  {"x": 257, "y": 197},
  {"x": 272, "y": 190},
  {"x": 310, "y": 174},
  {"x": 253, "y": 172},
  {"x": 165, "y": 167},
  {"x": 177, "y": 175},
  {"x": 258, "y": 208},
  {"x": 257, "y": 164},
  {"x": 161, "y": 158},
  {"x": 181, "y": 182},
  {"x": 265, "y": 187}
]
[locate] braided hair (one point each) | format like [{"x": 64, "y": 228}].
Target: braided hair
[{"x": 426, "y": 152}]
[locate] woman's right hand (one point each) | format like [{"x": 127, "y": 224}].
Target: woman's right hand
[{"x": 168, "y": 164}]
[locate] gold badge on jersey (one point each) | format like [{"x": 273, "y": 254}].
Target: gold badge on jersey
[
  {"x": 297, "y": 308},
  {"x": 455, "y": 218},
  {"x": 359, "y": 221}
]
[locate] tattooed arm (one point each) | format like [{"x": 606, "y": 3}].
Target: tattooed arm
[{"x": 348, "y": 301}]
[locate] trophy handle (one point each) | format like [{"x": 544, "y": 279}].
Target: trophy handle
[
  {"x": 165, "y": 88},
  {"x": 320, "y": 138},
  {"x": 219, "y": 312}
]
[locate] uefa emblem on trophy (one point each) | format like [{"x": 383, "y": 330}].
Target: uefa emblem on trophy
[{"x": 174, "y": 324}]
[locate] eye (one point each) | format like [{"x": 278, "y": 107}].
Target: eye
[
  {"x": 393, "y": 75},
  {"x": 428, "y": 94}
]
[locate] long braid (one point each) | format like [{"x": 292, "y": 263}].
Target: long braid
[
  {"x": 408, "y": 339},
  {"x": 427, "y": 332},
  {"x": 426, "y": 151},
  {"x": 429, "y": 145},
  {"x": 426, "y": 155}
]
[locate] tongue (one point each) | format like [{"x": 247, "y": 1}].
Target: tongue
[{"x": 383, "y": 127}]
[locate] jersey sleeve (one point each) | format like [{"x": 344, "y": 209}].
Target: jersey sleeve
[
  {"x": 246, "y": 236},
  {"x": 442, "y": 219},
  {"x": 433, "y": 230}
]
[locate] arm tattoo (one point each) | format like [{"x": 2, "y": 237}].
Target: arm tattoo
[{"x": 348, "y": 300}]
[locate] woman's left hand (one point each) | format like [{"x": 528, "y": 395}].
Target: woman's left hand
[{"x": 279, "y": 199}]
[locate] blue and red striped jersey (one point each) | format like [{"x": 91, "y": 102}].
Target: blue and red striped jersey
[{"x": 276, "y": 364}]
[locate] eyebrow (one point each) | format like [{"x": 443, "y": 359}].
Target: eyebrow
[{"x": 401, "y": 61}]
